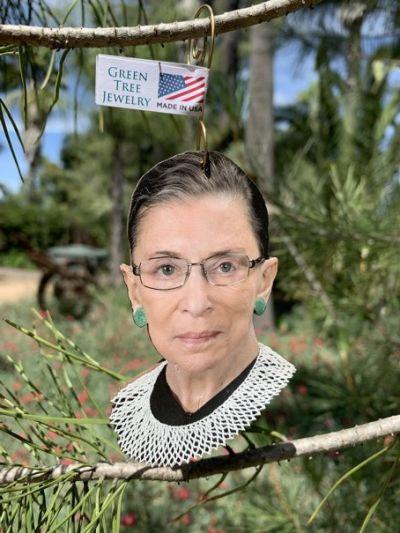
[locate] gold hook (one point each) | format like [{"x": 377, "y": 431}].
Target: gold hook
[
  {"x": 202, "y": 138},
  {"x": 201, "y": 135},
  {"x": 199, "y": 54}
]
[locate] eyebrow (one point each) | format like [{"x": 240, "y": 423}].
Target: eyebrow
[{"x": 169, "y": 253}]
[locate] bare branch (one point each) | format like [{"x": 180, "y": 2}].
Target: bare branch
[
  {"x": 160, "y": 33},
  {"x": 308, "y": 446}
]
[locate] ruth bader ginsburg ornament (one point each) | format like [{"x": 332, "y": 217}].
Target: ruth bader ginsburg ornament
[{"x": 152, "y": 428}]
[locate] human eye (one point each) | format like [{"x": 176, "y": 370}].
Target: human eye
[
  {"x": 225, "y": 265},
  {"x": 165, "y": 268}
]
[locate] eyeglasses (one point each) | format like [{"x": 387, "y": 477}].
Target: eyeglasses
[{"x": 165, "y": 273}]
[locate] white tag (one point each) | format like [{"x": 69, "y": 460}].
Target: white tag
[{"x": 147, "y": 85}]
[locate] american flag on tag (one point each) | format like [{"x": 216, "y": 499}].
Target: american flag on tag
[{"x": 182, "y": 88}]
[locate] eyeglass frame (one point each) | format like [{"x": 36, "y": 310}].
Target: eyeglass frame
[{"x": 252, "y": 263}]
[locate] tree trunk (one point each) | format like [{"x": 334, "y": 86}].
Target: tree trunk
[
  {"x": 260, "y": 126},
  {"x": 33, "y": 149},
  {"x": 352, "y": 17},
  {"x": 117, "y": 216},
  {"x": 230, "y": 45}
]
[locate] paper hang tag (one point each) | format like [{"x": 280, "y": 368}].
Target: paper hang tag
[{"x": 147, "y": 85}]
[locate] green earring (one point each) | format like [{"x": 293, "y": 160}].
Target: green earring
[
  {"x": 260, "y": 306},
  {"x": 139, "y": 317}
]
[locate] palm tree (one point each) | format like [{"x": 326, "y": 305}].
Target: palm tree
[{"x": 259, "y": 133}]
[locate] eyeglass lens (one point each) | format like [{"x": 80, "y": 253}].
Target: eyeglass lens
[{"x": 170, "y": 272}]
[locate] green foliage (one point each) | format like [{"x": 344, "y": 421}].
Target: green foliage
[
  {"x": 334, "y": 229},
  {"x": 16, "y": 259},
  {"x": 62, "y": 389},
  {"x": 339, "y": 196},
  {"x": 41, "y": 225}
]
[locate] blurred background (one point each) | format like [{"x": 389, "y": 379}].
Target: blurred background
[{"x": 308, "y": 105}]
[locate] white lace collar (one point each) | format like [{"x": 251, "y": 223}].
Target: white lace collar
[{"x": 147, "y": 440}]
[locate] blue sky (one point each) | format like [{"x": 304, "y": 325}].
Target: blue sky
[{"x": 291, "y": 78}]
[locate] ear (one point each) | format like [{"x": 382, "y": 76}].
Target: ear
[
  {"x": 269, "y": 271},
  {"x": 132, "y": 283}
]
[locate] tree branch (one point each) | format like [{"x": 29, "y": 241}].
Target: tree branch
[
  {"x": 160, "y": 33},
  {"x": 308, "y": 446}
]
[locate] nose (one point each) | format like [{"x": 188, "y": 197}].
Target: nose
[{"x": 195, "y": 295}]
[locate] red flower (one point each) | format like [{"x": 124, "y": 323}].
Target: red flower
[
  {"x": 329, "y": 422},
  {"x": 115, "y": 456},
  {"x": 16, "y": 385},
  {"x": 52, "y": 435},
  {"x": 273, "y": 341},
  {"x": 297, "y": 345},
  {"x": 65, "y": 461},
  {"x": 303, "y": 390},
  {"x": 186, "y": 520},
  {"x": 182, "y": 493},
  {"x": 135, "y": 364},
  {"x": 83, "y": 396},
  {"x": 388, "y": 439},
  {"x": 27, "y": 398},
  {"x": 129, "y": 519},
  {"x": 84, "y": 372},
  {"x": 113, "y": 388},
  {"x": 79, "y": 517},
  {"x": 21, "y": 453},
  {"x": 90, "y": 411},
  {"x": 11, "y": 346}
]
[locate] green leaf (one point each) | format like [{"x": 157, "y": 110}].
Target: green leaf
[{"x": 4, "y": 125}]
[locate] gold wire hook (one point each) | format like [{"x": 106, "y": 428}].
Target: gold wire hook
[
  {"x": 202, "y": 139},
  {"x": 201, "y": 135},
  {"x": 199, "y": 54}
]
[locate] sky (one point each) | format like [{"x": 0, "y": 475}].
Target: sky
[{"x": 291, "y": 77}]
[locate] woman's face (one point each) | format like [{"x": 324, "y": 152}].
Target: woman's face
[{"x": 196, "y": 229}]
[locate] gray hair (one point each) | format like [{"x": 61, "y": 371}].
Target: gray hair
[{"x": 182, "y": 176}]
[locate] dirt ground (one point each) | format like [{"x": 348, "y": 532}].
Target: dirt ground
[{"x": 17, "y": 284}]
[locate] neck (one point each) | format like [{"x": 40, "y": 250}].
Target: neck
[{"x": 193, "y": 390}]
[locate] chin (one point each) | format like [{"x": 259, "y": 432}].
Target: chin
[{"x": 197, "y": 362}]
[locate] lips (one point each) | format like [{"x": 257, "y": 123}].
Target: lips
[{"x": 193, "y": 335}]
